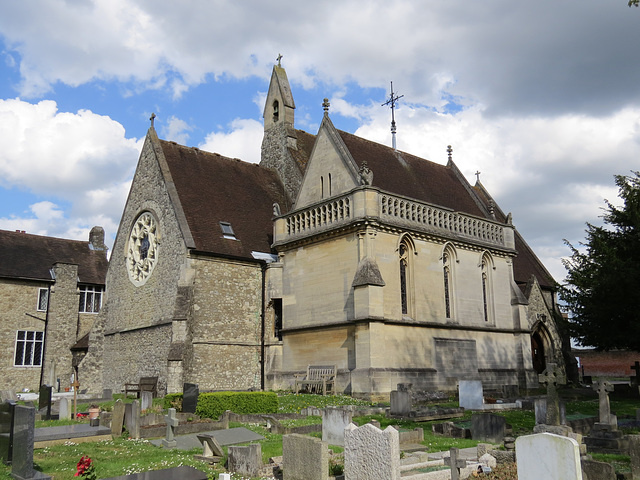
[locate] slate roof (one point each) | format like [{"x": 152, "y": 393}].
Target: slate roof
[
  {"x": 213, "y": 189},
  {"x": 27, "y": 256}
]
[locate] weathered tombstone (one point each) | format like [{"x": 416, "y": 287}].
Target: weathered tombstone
[
  {"x": 593, "y": 470},
  {"x": 8, "y": 395},
  {"x": 455, "y": 463},
  {"x": 44, "y": 401},
  {"x": 117, "y": 420},
  {"x": 540, "y": 407},
  {"x": 470, "y": 394},
  {"x": 64, "y": 410},
  {"x": 132, "y": 418},
  {"x": 488, "y": 427},
  {"x": 551, "y": 377},
  {"x": 401, "y": 400},
  {"x": 634, "y": 453},
  {"x": 190, "y": 392},
  {"x": 548, "y": 456},
  {"x": 334, "y": 421},
  {"x": 23, "y": 432},
  {"x": 172, "y": 422},
  {"x": 6, "y": 430},
  {"x": 605, "y": 416},
  {"x": 211, "y": 450},
  {"x": 304, "y": 458},
  {"x": 246, "y": 460},
  {"x": 382, "y": 447},
  {"x": 146, "y": 400},
  {"x": 107, "y": 393}
]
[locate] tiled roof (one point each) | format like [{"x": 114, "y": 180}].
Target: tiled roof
[
  {"x": 214, "y": 189},
  {"x": 29, "y": 256}
]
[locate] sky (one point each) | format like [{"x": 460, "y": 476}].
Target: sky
[{"x": 542, "y": 98}]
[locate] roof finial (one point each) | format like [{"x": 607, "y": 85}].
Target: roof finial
[
  {"x": 392, "y": 101},
  {"x": 279, "y": 58},
  {"x": 325, "y": 106},
  {"x": 477, "y": 174},
  {"x": 450, "y": 152},
  {"x": 152, "y": 118}
]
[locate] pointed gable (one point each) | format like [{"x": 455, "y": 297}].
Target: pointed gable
[
  {"x": 279, "y": 105},
  {"x": 214, "y": 189}
]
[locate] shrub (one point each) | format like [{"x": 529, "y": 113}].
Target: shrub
[
  {"x": 212, "y": 405},
  {"x": 173, "y": 400}
]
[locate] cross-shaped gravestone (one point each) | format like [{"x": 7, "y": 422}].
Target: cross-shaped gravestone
[
  {"x": 551, "y": 377},
  {"x": 172, "y": 423},
  {"x": 603, "y": 390},
  {"x": 455, "y": 463},
  {"x": 635, "y": 367}
]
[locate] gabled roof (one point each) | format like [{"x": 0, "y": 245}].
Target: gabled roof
[
  {"x": 27, "y": 256},
  {"x": 213, "y": 189}
]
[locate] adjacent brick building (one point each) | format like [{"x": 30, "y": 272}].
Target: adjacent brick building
[{"x": 50, "y": 293}]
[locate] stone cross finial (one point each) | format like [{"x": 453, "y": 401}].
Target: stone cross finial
[
  {"x": 450, "y": 152},
  {"x": 477, "y": 174},
  {"x": 152, "y": 118},
  {"x": 325, "y": 106},
  {"x": 279, "y": 58}
]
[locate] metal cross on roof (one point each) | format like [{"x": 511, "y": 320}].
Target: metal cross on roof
[
  {"x": 393, "y": 99},
  {"x": 279, "y": 58}
]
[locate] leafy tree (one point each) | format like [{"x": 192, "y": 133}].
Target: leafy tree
[
  {"x": 634, "y": 2},
  {"x": 603, "y": 281}
]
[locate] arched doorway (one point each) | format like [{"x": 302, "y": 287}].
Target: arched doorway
[{"x": 537, "y": 352}]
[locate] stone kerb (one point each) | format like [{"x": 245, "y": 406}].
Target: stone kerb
[
  {"x": 304, "y": 458},
  {"x": 334, "y": 421},
  {"x": 548, "y": 456},
  {"x": 371, "y": 453}
]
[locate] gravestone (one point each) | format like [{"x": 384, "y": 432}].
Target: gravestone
[
  {"x": 172, "y": 423},
  {"x": 334, "y": 421},
  {"x": 551, "y": 377},
  {"x": 593, "y": 470},
  {"x": 488, "y": 427},
  {"x": 455, "y": 463},
  {"x": 401, "y": 400},
  {"x": 634, "y": 453},
  {"x": 470, "y": 394},
  {"x": 6, "y": 430},
  {"x": 605, "y": 437},
  {"x": 382, "y": 457},
  {"x": 64, "y": 410},
  {"x": 8, "y": 395},
  {"x": 190, "y": 392},
  {"x": 211, "y": 450},
  {"x": 548, "y": 456},
  {"x": 605, "y": 416},
  {"x": 540, "y": 408},
  {"x": 44, "y": 402},
  {"x": 132, "y": 418},
  {"x": 107, "y": 393},
  {"x": 304, "y": 458},
  {"x": 245, "y": 460},
  {"x": 146, "y": 400},
  {"x": 634, "y": 378},
  {"x": 117, "y": 419},
  {"x": 23, "y": 432}
]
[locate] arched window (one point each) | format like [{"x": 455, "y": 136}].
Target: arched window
[
  {"x": 448, "y": 263},
  {"x": 487, "y": 287},
  {"x": 406, "y": 250},
  {"x": 276, "y": 111}
]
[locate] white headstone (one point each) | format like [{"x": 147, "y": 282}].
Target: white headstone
[
  {"x": 146, "y": 400},
  {"x": 470, "y": 394},
  {"x": 548, "y": 456},
  {"x": 371, "y": 453},
  {"x": 334, "y": 421},
  {"x": 64, "y": 412}
]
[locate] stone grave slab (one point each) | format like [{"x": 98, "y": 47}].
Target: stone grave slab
[
  {"x": 245, "y": 460},
  {"x": 23, "y": 440},
  {"x": 146, "y": 400},
  {"x": 68, "y": 432},
  {"x": 64, "y": 410},
  {"x": 231, "y": 436},
  {"x": 190, "y": 392},
  {"x": 183, "y": 472},
  {"x": 382, "y": 447},
  {"x": 488, "y": 427},
  {"x": 548, "y": 456},
  {"x": 334, "y": 421},
  {"x": 592, "y": 470},
  {"x": 44, "y": 401},
  {"x": 401, "y": 400},
  {"x": 470, "y": 394}
]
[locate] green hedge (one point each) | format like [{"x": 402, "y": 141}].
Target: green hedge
[{"x": 212, "y": 405}]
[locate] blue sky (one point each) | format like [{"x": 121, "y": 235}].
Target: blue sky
[{"x": 542, "y": 97}]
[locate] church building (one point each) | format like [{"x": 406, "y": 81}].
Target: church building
[{"x": 334, "y": 250}]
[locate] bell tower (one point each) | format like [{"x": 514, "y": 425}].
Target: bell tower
[{"x": 280, "y": 137}]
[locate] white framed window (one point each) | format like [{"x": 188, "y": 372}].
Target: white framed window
[
  {"x": 28, "y": 351},
  {"x": 90, "y": 299},
  {"x": 43, "y": 299}
]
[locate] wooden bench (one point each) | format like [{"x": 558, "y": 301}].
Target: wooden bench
[
  {"x": 146, "y": 384},
  {"x": 318, "y": 379}
]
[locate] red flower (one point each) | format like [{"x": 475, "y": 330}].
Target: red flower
[{"x": 85, "y": 468}]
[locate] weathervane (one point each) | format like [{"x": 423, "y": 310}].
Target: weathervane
[{"x": 392, "y": 102}]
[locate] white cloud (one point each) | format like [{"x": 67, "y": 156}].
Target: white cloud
[
  {"x": 176, "y": 130},
  {"x": 243, "y": 141}
]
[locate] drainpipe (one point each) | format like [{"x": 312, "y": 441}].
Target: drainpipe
[
  {"x": 263, "y": 269},
  {"x": 44, "y": 343}
]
